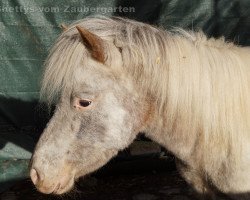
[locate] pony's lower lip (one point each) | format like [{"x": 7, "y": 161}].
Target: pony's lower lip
[{"x": 45, "y": 191}]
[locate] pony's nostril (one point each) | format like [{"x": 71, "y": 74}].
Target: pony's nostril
[{"x": 35, "y": 176}]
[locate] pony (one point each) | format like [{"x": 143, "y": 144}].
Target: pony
[{"x": 111, "y": 78}]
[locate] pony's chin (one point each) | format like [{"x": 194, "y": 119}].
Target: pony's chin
[{"x": 66, "y": 187}]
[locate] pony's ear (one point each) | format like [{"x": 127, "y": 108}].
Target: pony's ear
[
  {"x": 94, "y": 43},
  {"x": 64, "y": 27}
]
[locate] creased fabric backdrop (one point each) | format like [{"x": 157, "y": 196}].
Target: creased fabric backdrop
[{"x": 29, "y": 28}]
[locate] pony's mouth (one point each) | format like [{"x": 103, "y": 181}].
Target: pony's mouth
[
  {"x": 62, "y": 186},
  {"x": 59, "y": 184}
]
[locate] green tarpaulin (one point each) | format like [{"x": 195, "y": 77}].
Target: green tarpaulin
[{"x": 29, "y": 28}]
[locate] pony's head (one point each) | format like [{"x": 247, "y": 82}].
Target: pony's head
[{"x": 99, "y": 109}]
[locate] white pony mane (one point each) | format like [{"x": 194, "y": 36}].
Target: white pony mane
[{"x": 199, "y": 83}]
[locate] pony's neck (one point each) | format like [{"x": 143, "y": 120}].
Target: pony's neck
[
  {"x": 196, "y": 97},
  {"x": 176, "y": 80}
]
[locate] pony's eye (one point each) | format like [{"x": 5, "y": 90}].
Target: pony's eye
[{"x": 84, "y": 103}]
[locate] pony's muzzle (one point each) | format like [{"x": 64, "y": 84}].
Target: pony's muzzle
[{"x": 58, "y": 184}]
